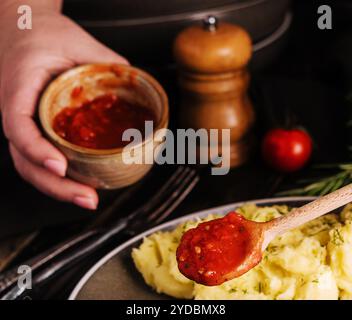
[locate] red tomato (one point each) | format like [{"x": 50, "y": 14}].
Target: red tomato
[{"x": 287, "y": 150}]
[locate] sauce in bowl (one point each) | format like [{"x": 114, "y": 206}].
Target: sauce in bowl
[{"x": 101, "y": 122}]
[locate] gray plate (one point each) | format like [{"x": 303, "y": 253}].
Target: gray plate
[{"x": 115, "y": 277}]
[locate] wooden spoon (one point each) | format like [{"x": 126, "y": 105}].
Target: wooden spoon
[{"x": 237, "y": 244}]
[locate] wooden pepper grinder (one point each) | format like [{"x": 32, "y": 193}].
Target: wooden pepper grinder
[{"x": 213, "y": 77}]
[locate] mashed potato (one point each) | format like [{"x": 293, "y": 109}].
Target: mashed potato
[{"x": 311, "y": 262}]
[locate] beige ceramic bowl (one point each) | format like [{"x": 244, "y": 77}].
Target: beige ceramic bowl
[{"x": 104, "y": 169}]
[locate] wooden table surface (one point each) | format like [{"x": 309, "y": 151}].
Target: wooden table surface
[{"x": 307, "y": 79}]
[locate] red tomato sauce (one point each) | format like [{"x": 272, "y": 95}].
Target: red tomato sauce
[
  {"x": 100, "y": 123},
  {"x": 213, "y": 249}
]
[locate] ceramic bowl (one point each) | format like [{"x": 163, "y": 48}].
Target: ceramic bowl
[{"x": 104, "y": 169}]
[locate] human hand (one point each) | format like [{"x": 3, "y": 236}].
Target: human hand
[{"x": 30, "y": 58}]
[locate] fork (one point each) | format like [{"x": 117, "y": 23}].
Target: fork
[{"x": 86, "y": 243}]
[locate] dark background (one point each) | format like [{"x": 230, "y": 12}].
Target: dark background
[{"x": 309, "y": 82}]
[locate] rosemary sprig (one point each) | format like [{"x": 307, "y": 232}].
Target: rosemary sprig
[{"x": 325, "y": 185}]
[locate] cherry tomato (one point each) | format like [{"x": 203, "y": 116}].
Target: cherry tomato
[{"x": 287, "y": 150}]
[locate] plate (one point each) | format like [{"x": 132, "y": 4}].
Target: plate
[{"x": 115, "y": 277}]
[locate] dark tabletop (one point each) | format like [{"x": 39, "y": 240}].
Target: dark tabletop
[{"x": 309, "y": 82}]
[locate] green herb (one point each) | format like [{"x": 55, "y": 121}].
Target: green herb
[
  {"x": 329, "y": 223},
  {"x": 337, "y": 238},
  {"x": 273, "y": 249},
  {"x": 240, "y": 211},
  {"x": 244, "y": 291},
  {"x": 324, "y": 185},
  {"x": 315, "y": 281},
  {"x": 233, "y": 290}
]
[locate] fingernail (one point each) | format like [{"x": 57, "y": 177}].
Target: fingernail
[
  {"x": 85, "y": 202},
  {"x": 55, "y": 166}
]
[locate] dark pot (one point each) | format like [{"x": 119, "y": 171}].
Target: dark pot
[{"x": 143, "y": 30}]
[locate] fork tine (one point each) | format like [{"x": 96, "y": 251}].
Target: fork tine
[
  {"x": 126, "y": 196},
  {"x": 184, "y": 183},
  {"x": 182, "y": 195},
  {"x": 111, "y": 209},
  {"x": 158, "y": 195},
  {"x": 176, "y": 193}
]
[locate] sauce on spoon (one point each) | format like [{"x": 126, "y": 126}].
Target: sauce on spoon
[{"x": 209, "y": 253}]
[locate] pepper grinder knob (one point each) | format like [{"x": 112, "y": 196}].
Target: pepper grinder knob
[{"x": 210, "y": 23}]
